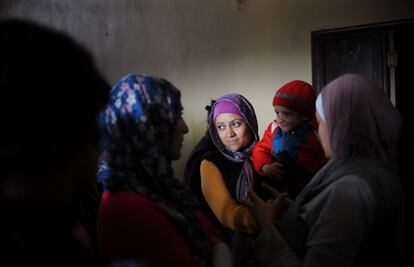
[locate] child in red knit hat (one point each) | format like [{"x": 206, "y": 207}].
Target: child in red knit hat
[{"x": 290, "y": 150}]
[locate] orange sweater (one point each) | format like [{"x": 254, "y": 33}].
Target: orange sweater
[{"x": 231, "y": 214}]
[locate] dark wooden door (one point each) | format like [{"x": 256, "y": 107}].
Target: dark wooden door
[{"x": 337, "y": 52}]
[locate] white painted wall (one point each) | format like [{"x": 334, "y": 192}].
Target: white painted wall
[{"x": 206, "y": 48}]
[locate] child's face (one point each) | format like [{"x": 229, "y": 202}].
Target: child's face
[{"x": 288, "y": 119}]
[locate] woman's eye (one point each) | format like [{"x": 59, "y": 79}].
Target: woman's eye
[
  {"x": 236, "y": 124},
  {"x": 220, "y": 127}
]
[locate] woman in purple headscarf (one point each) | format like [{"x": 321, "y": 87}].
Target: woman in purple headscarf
[{"x": 222, "y": 163}]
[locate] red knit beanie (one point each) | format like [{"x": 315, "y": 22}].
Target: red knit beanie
[{"x": 298, "y": 96}]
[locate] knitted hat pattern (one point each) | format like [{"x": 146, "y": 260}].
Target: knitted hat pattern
[{"x": 298, "y": 96}]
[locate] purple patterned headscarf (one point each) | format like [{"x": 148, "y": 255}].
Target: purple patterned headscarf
[{"x": 246, "y": 111}]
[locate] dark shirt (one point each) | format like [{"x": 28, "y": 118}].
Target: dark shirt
[{"x": 35, "y": 233}]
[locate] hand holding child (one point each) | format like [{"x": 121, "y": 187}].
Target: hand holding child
[{"x": 273, "y": 170}]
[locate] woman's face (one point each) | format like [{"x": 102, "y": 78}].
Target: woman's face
[
  {"x": 324, "y": 137},
  {"x": 288, "y": 119},
  {"x": 233, "y": 131},
  {"x": 181, "y": 128}
]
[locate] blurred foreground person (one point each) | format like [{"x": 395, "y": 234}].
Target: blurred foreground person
[{"x": 51, "y": 94}]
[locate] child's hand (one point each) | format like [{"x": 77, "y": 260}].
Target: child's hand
[{"x": 273, "y": 170}]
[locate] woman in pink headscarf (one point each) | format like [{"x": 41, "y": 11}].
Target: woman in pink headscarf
[{"x": 221, "y": 171}]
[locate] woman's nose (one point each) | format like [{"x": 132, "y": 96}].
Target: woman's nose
[{"x": 230, "y": 132}]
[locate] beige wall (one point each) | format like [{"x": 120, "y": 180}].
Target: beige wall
[{"x": 206, "y": 48}]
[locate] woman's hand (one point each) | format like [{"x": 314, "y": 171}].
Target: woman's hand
[{"x": 266, "y": 213}]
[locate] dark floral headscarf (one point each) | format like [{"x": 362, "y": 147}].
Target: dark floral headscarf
[
  {"x": 136, "y": 128},
  {"x": 242, "y": 156}
]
